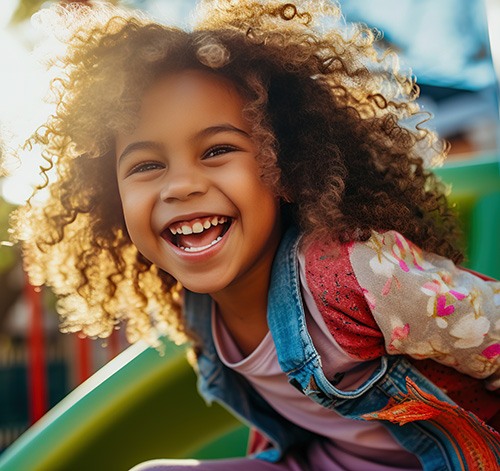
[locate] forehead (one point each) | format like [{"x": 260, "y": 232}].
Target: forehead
[{"x": 188, "y": 94}]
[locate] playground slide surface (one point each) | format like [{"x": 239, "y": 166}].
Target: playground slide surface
[
  {"x": 142, "y": 405},
  {"x": 139, "y": 406}
]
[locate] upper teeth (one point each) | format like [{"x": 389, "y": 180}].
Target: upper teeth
[{"x": 197, "y": 225}]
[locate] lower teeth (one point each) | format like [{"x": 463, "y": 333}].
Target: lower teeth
[{"x": 199, "y": 249}]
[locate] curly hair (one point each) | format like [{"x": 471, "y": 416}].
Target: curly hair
[{"x": 340, "y": 135}]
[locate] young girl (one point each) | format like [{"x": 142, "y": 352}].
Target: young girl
[{"x": 257, "y": 187}]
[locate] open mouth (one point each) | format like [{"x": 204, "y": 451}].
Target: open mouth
[{"x": 198, "y": 234}]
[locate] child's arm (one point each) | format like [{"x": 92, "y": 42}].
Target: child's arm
[
  {"x": 375, "y": 299},
  {"x": 427, "y": 307}
]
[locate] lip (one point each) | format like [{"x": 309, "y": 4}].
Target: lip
[{"x": 202, "y": 255}]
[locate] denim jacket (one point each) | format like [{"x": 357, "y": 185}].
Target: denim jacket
[{"x": 417, "y": 413}]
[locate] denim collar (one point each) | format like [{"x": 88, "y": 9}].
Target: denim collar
[{"x": 284, "y": 294}]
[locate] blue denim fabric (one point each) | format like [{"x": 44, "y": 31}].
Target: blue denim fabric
[{"x": 299, "y": 359}]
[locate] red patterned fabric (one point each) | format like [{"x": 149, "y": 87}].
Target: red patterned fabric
[{"x": 340, "y": 300}]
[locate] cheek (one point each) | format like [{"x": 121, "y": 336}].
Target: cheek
[
  {"x": 261, "y": 210},
  {"x": 136, "y": 216},
  {"x": 247, "y": 179},
  {"x": 257, "y": 198}
]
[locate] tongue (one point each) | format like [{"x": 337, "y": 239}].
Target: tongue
[{"x": 202, "y": 239}]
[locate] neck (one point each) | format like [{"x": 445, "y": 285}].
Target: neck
[{"x": 243, "y": 307}]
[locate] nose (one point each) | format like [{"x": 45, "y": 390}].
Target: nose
[{"x": 182, "y": 183}]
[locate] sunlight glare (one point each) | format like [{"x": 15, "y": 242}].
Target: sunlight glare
[{"x": 23, "y": 86}]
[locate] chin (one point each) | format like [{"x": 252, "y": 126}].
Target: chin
[{"x": 203, "y": 288}]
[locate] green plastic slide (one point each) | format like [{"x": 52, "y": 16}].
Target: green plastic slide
[
  {"x": 476, "y": 192},
  {"x": 142, "y": 405},
  {"x": 484, "y": 247},
  {"x": 139, "y": 406}
]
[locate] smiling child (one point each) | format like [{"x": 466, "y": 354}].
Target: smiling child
[{"x": 255, "y": 187}]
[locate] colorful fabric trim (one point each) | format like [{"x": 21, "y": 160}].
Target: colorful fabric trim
[{"x": 477, "y": 444}]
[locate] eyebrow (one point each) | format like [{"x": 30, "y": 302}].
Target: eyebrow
[
  {"x": 207, "y": 132},
  {"x": 218, "y": 128},
  {"x": 139, "y": 145}
]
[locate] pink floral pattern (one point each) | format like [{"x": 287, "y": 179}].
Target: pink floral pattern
[{"x": 426, "y": 307}]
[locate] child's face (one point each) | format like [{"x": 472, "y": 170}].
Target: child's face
[{"x": 189, "y": 168}]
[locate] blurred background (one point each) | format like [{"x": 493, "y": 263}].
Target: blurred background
[{"x": 452, "y": 46}]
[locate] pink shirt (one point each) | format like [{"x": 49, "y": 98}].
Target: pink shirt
[{"x": 352, "y": 445}]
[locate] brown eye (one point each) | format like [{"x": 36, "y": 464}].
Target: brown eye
[
  {"x": 218, "y": 150},
  {"x": 146, "y": 167}
]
